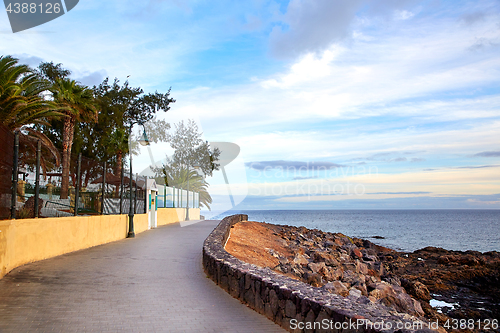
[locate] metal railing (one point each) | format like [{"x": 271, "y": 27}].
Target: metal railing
[{"x": 95, "y": 187}]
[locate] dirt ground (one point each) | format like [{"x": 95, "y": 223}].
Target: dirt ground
[{"x": 250, "y": 242}]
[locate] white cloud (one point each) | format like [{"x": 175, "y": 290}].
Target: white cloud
[
  {"x": 403, "y": 15},
  {"x": 309, "y": 68},
  {"x": 312, "y": 26},
  {"x": 428, "y": 76},
  {"x": 375, "y": 186}
]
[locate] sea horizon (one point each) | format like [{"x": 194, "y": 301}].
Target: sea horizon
[{"x": 401, "y": 229}]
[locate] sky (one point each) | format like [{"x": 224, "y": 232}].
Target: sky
[{"x": 383, "y": 104}]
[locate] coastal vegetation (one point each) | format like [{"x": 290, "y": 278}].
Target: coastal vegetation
[
  {"x": 191, "y": 161},
  {"x": 46, "y": 104}
]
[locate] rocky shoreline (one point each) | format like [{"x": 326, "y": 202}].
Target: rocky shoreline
[{"x": 465, "y": 284}]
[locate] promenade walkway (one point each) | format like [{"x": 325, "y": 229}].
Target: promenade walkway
[{"x": 152, "y": 283}]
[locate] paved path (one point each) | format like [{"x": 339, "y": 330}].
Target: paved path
[{"x": 153, "y": 283}]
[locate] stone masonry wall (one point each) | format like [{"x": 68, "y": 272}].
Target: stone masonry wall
[{"x": 294, "y": 305}]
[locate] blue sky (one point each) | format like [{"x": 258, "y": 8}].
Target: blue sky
[{"x": 384, "y": 104}]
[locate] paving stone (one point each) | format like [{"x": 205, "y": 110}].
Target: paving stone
[{"x": 151, "y": 283}]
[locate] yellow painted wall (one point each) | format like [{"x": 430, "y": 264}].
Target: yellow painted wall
[
  {"x": 140, "y": 223},
  {"x": 28, "y": 240},
  {"x": 170, "y": 215},
  {"x": 194, "y": 213},
  {"x": 173, "y": 215}
]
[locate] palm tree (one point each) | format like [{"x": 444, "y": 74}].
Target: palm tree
[
  {"x": 178, "y": 177},
  {"x": 21, "y": 96},
  {"x": 22, "y": 105},
  {"x": 79, "y": 106}
]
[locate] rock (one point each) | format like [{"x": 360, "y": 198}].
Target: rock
[
  {"x": 300, "y": 259},
  {"x": 314, "y": 279},
  {"x": 361, "y": 287},
  {"x": 325, "y": 257},
  {"x": 338, "y": 241},
  {"x": 329, "y": 244},
  {"x": 336, "y": 287},
  {"x": 290, "y": 309},
  {"x": 432, "y": 250},
  {"x": 418, "y": 308},
  {"x": 344, "y": 257},
  {"x": 273, "y": 301},
  {"x": 273, "y": 253},
  {"x": 350, "y": 266},
  {"x": 396, "y": 297},
  {"x": 283, "y": 261},
  {"x": 361, "y": 267},
  {"x": 392, "y": 279},
  {"x": 445, "y": 259},
  {"x": 407, "y": 304},
  {"x": 316, "y": 267},
  {"x": 382, "y": 290},
  {"x": 297, "y": 270},
  {"x": 376, "y": 294},
  {"x": 370, "y": 257},
  {"x": 353, "y": 277},
  {"x": 355, "y": 292},
  {"x": 356, "y": 253},
  {"x": 469, "y": 260},
  {"x": 417, "y": 289},
  {"x": 348, "y": 248},
  {"x": 371, "y": 281},
  {"x": 332, "y": 274},
  {"x": 377, "y": 267}
]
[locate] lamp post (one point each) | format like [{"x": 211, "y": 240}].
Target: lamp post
[{"x": 144, "y": 142}]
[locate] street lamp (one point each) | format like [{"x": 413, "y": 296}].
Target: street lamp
[{"x": 144, "y": 142}]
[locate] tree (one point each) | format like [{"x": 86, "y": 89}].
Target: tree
[
  {"x": 23, "y": 106},
  {"x": 111, "y": 132},
  {"x": 178, "y": 177},
  {"x": 143, "y": 108},
  {"x": 119, "y": 107},
  {"x": 21, "y": 96},
  {"x": 190, "y": 149},
  {"x": 51, "y": 72},
  {"x": 79, "y": 106},
  {"x": 190, "y": 152}
]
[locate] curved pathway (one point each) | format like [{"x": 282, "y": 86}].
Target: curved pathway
[{"x": 152, "y": 283}]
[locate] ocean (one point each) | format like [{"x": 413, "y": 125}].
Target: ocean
[{"x": 402, "y": 230}]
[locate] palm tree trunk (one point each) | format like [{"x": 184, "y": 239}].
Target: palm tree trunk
[
  {"x": 68, "y": 132},
  {"x": 119, "y": 160}
]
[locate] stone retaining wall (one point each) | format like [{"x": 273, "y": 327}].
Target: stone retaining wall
[{"x": 292, "y": 304}]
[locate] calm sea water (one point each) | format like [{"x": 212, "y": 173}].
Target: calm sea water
[{"x": 403, "y": 230}]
